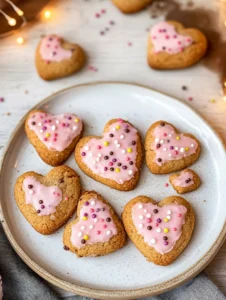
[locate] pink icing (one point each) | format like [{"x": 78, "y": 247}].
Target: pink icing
[
  {"x": 44, "y": 199},
  {"x": 150, "y": 222},
  {"x": 56, "y": 132},
  {"x": 169, "y": 145},
  {"x": 165, "y": 38},
  {"x": 119, "y": 166},
  {"x": 98, "y": 224},
  {"x": 51, "y": 50},
  {"x": 185, "y": 179}
]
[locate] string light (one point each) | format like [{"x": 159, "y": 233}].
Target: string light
[
  {"x": 11, "y": 21},
  {"x": 17, "y": 10},
  {"x": 47, "y": 14},
  {"x": 20, "y": 40},
  {"x": 224, "y": 98}
]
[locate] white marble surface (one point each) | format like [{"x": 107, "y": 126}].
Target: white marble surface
[{"x": 115, "y": 60}]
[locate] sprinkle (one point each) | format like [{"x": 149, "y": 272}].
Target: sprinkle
[
  {"x": 117, "y": 127},
  {"x": 39, "y": 124},
  {"x": 168, "y": 217},
  {"x": 86, "y": 237},
  {"x": 116, "y": 142},
  {"x": 145, "y": 210},
  {"x": 86, "y": 203},
  {"x": 186, "y": 149},
  {"x": 170, "y": 154},
  {"x": 76, "y": 120},
  {"x": 141, "y": 225},
  {"x": 182, "y": 150},
  {"x": 153, "y": 241},
  {"x": 99, "y": 154},
  {"x": 1, "y": 99},
  {"x": 156, "y": 140},
  {"x": 84, "y": 218},
  {"x": 148, "y": 215},
  {"x": 166, "y": 184},
  {"x": 164, "y": 149},
  {"x": 166, "y": 230},
  {"x": 190, "y": 98},
  {"x": 162, "y": 141},
  {"x": 57, "y": 121},
  {"x": 174, "y": 229},
  {"x": 106, "y": 143},
  {"x": 98, "y": 232},
  {"x": 166, "y": 220},
  {"x": 82, "y": 227},
  {"x": 177, "y": 138},
  {"x": 212, "y": 100},
  {"x": 169, "y": 212},
  {"x": 65, "y": 198},
  {"x": 159, "y": 230},
  {"x": 149, "y": 220},
  {"x": 75, "y": 127},
  {"x": 86, "y": 148},
  {"x": 47, "y": 134},
  {"x": 179, "y": 215},
  {"x": 140, "y": 206},
  {"x": 108, "y": 232},
  {"x": 91, "y": 226},
  {"x": 117, "y": 170},
  {"x": 159, "y": 220},
  {"x": 53, "y": 128},
  {"x": 95, "y": 220},
  {"x": 31, "y": 192},
  {"x": 118, "y": 145},
  {"x": 129, "y": 150},
  {"x": 130, "y": 172},
  {"x": 192, "y": 145},
  {"x": 141, "y": 217},
  {"x": 97, "y": 159},
  {"x": 122, "y": 136},
  {"x": 123, "y": 151},
  {"x": 79, "y": 234}
]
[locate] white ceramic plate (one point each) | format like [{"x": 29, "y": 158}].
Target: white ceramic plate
[{"x": 125, "y": 271}]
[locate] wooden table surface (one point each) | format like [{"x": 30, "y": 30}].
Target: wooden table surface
[{"x": 119, "y": 55}]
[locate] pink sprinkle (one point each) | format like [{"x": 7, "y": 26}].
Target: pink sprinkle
[
  {"x": 176, "y": 152},
  {"x": 188, "y": 40},
  {"x": 179, "y": 215},
  {"x": 166, "y": 184},
  {"x": 160, "y": 30},
  {"x": 97, "y": 15},
  {"x": 90, "y": 68},
  {"x": 45, "y": 139},
  {"x": 54, "y": 139},
  {"x": 104, "y": 226},
  {"x": 91, "y": 210},
  {"x": 190, "y": 98},
  {"x": 179, "y": 43},
  {"x": 66, "y": 198},
  {"x": 63, "y": 124},
  {"x": 156, "y": 224},
  {"x": 48, "y": 45},
  {"x": 149, "y": 220},
  {"x": 167, "y": 37},
  {"x": 174, "y": 229},
  {"x": 58, "y": 194},
  {"x": 56, "y": 47},
  {"x": 102, "y": 220},
  {"x": 54, "y": 193},
  {"x": 164, "y": 134},
  {"x": 99, "y": 147},
  {"x": 55, "y": 134},
  {"x": 98, "y": 232},
  {"x": 128, "y": 158},
  {"x": 175, "y": 36},
  {"x": 103, "y": 11},
  {"x": 130, "y": 44},
  {"x": 110, "y": 163},
  {"x": 120, "y": 120},
  {"x": 1, "y": 99},
  {"x": 112, "y": 23}
]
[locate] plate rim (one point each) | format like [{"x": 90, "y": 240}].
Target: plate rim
[{"x": 102, "y": 293}]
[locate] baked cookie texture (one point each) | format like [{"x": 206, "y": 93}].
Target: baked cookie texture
[
  {"x": 47, "y": 202},
  {"x": 169, "y": 151},
  {"x": 171, "y": 46},
  {"x": 114, "y": 159},
  {"x": 185, "y": 182},
  {"x": 161, "y": 241},
  {"x": 53, "y": 136},
  {"x": 131, "y": 6},
  {"x": 97, "y": 230},
  {"x": 56, "y": 58}
]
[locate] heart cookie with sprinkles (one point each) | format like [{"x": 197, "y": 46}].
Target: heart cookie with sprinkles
[
  {"x": 185, "y": 182},
  {"x": 171, "y": 46},
  {"x": 131, "y": 6},
  {"x": 96, "y": 231},
  {"x": 53, "y": 136},
  {"x": 169, "y": 151},
  {"x": 57, "y": 58},
  {"x": 114, "y": 159},
  {"x": 161, "y": 231},
  {"x": 47, "y": 202}
]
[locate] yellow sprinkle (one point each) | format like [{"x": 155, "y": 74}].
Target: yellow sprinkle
[
  {"x": 166, "y": 220},
  {"x": 129, "y": 150},
  {"x": 166, "y": 230},
  {"x": 106, "y": 143},
  {"x": 177, "y": 138},
  {"x": 76, "y": 120},
  {"x": 212, "y": 100},
  {"x": 84, "y": 218},
  {"x": 117, "y": 127},
  {"x": 117, "y": 170},
  {"x": 186, "y": 149},
  {"x": 47, "y": 134},
  {"x": 86, "y": 237}
]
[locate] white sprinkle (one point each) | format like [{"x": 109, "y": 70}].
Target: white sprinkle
[
  {"x": 53, "y": 128},
  {"x": 176, "y": 148},
  {"x": 170, "y": 154},
  {"x": 123, "y": 151},
  {"x": 39, "y": 124},
  {"x": 118, "y": 145},
  {"x": 140, "y": 206},
  {"x": 121, "y": 181},
  {"x": 164, "y": 149},
  {"x": 141, "y": 217},
  {"x": 169, "y": 212},
  {"x": 182, "y": 150},
  {"x": 31, "y": 192},
  {"x": 108, "y": 232},
  {"x": 86, "y": 148},
  {"x": 156, "y": 140},
  {"x": 99, "y": 154},
  {"x": 82, "y": 227},
  {"x": 168, "y": 217},
  {"x": 130, "y": 172},
  {"x": 159, "y": 230},
  {"x": 162, "y": 141},
  {"x": 57, "y": 121},
  {"x": 122, "y": 136},
  {"x": 145, "y": 210},
  {"x": 90, "y": 226},
  {"x": 79, "y": 234},
  {"x": 75, "y": 127},
  {"x": 170, "y": 135},
  {"x": 116, "y": 142},
  {"x": 148, "y": 215},
  {"x": 192, "y": 145},
  {"x": 90, "y": 154},
  {"x": 94, "y": 162},
  {"x": 114, "y": 129},
  {"x": 52, "y": 217},
  {"x": 97, "y": 159},
  {"x": 93, "y": 202},
  {"x": 153, "y": 241},
  {"x": 95, "y": 220},
  {"x": 41, "y": 130},
  {"x": 141, "y": 225}
]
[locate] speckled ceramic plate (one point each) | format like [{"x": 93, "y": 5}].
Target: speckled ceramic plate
[{"x": 124, "y": 274}]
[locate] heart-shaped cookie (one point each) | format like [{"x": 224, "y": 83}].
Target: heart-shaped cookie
[
  {"x": 171, "y": 46},
  {"x": 114, "y": 159},
  {"x": 57, "y": 58},
  {"x": 47, "y": 202},
  {"x": 131, "y": 6},
  {"x": 186, "y": 181},
  {"x": 161, "y": 230},
  {"x": 167, "y": 150},
  {"x": 97, "y": 230},
  {"x": 53, "y": 136}
]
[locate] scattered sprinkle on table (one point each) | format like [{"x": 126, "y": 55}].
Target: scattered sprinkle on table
[
  {"x": 1, "y": 99},
  {"x": 190, "y": 98}
]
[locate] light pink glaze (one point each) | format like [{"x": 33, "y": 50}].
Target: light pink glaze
[
  {"x": 98, "y": 224},
  {"x": 185, "y": 179},
  {"x": 169, "y": 145},
  {"x": 44, "y": 199},
  {"x": 166, "y": 39},
  {"x": 51, "y": 50},
  {"x": 56, "y": 132},
  {"x": 98, "y": 158},
  {"x": 143, "y": 216}
]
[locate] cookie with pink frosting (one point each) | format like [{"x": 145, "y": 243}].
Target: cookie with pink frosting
[
  {"x": 97, "y": 230},
  {"x": 53, "y": 136},
  {"x": 47, "y": 202},
  {"x": 171, "y": 46},
  {"x": 169, "y": 151},
  {"x": 131, "y": 6},
  {"x": 161, "y": 231},
  {"x": 57, "y": 58},
  {"x": 185, "y": 182},
  {"x": 115, "y": 158}
]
